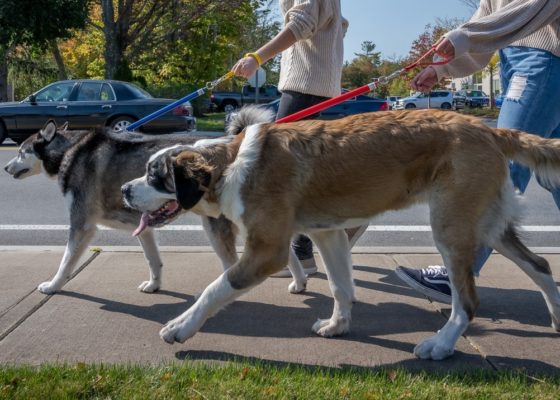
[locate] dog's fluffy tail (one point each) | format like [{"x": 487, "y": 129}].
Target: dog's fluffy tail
[
  {"x": 539, "y": 154},
  {"x": 249, "y": 115}
]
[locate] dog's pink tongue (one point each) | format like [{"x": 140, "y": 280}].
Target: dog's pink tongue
[{"x": 142, "y": 225}]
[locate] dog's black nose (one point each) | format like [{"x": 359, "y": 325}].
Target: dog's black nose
[
  {"x": 125, "y": 189},
  {"x": 6, "y": 168}
]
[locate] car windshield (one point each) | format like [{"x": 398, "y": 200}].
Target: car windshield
[
  {"x": 476, "y": 93},
  {"x": 139, "y": 92}
]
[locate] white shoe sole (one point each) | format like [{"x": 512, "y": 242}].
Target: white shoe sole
[{"x": 430, "y": 293}]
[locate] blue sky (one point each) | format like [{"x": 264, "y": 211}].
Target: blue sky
[{"x": 394, "y": 24}]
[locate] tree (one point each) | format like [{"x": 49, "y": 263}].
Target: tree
[
  {"x": 491, "y": 69},
  {"x": 24, "y": 23},
  {"x": 472, "y": 4},
  {"x": 256, "y": 31},
  {"x": 134, "y": 27},
  {"x": 373, "y": 57}
]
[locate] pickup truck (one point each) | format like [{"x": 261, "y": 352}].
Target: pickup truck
[{"x": 229, "y": 101}]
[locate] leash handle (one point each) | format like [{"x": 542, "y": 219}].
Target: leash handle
[
  {"x": 193, "y": 95},
  {"x": 430, "y": 52}
]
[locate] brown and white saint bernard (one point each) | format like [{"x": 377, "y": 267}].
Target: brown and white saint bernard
[{"x": 319, "y": 177}]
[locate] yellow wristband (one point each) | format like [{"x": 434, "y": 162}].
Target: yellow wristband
[{"x": 256, "y": 57}]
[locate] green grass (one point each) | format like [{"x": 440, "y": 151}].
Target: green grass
[
  {"x": 211, "y": 122},
  {"x": 244, "y": 380}
]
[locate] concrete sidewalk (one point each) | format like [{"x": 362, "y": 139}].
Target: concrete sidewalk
[{"x": 100, "y": 316}]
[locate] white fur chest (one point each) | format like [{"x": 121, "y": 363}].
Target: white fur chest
[{"x": 231, "y": 202}]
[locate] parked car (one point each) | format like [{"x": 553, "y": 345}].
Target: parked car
[
  {"x": 474, "y": 98},
  {"x": 354, "y": 105},
  {"x": 499, "y": 100},
  {"x": 458, "y": 101},
  {"x": 89, "y": 103},
  {"x": 434, "y": 99},
  {"x": 391, "y": 100},
  {"x": 229, "y": 101}
]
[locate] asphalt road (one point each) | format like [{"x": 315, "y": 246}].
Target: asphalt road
[{"x": 33, "y": 213}]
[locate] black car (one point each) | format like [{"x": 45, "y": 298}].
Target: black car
[
  {"x": 89, "y": 103},
  {"x": 473, "y": 98}
]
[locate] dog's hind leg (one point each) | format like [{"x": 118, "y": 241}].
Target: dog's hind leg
[
  {"x": 77, "y": 242},
  {"x": 455, "y": 239},
  {"x": 536, "y": 267},
  {"x": 335, "y": 252},
  {"x": 151, "y": 253},
  {"x": 221, "y": 233}
]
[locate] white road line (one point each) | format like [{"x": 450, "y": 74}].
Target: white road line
[{"x": 371, "y": 228}]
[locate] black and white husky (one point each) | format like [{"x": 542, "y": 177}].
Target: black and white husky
[{"x": 91, "y": 166}]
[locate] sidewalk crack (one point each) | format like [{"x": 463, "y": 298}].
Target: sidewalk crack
[
  {"x": 469, "y": 341},
  {"x": 37, "y": 306}
]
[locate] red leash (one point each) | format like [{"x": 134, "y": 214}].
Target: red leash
[{"x": 361, "y": 90}]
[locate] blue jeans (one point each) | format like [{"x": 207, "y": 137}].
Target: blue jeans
[{"x": 531, "y": 85}]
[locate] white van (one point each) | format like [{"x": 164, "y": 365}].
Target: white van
[{"x": 435, "y": 99}]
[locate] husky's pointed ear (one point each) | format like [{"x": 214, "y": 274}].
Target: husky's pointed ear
[
  {"x": 192, "y": 177},
  {"x": 48, "y": 131},
  {"x": 64, "y": 127}
]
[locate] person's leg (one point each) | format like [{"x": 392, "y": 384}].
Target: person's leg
[{"x": 531, "y": 82}]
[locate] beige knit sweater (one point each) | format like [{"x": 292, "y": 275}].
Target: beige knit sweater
[
  {"x": 313, "y": 65},
  {"x": 500, "y": 23}
]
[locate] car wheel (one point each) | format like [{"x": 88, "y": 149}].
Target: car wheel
[
  {"x": 410, "y": 106},
  {"x": 229, "y": 106},
  {"x": 192, "y": 125},
  {"x": 446, "y": 106},
  {"x": 120, "y": 124},
  {"x": 3, "y": 132}
]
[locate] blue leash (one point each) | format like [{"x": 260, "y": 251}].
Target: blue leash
[{"x": 193, "y": 95}]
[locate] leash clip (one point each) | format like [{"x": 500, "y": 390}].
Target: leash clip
[
  {"x": 383, "y": 80},
  {"x": 214, "y": 83}
]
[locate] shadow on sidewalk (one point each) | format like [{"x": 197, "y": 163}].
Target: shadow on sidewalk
[{"x": 255, "y": 319}]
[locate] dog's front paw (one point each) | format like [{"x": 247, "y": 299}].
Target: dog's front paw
[
  {"x": 331, "y": 327},
  {"x": 49, "y": 287},
  {"x": 297, "y": 287},
  {"x": 177, "y": 330},
  {"x": 433, "y": 348},
  {"x": 149, "y": 286}
]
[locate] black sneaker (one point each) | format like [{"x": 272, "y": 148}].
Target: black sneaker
[{"x": 432, "y": 282}]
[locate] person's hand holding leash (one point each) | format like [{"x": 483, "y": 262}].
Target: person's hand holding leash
[
  {"x": 445, "y": 48},
  {"x": 426, "y": 79},
  {"x": 246, "y": 66}
]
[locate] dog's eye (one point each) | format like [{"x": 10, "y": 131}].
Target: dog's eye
[
  {"x": 159, "y": 183},
  {"x": 151, "y": 180}
]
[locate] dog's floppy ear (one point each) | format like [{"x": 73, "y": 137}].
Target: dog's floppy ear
[
  {"x": 48, "y": 131},
  {"x": 192, "y": 175}
]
